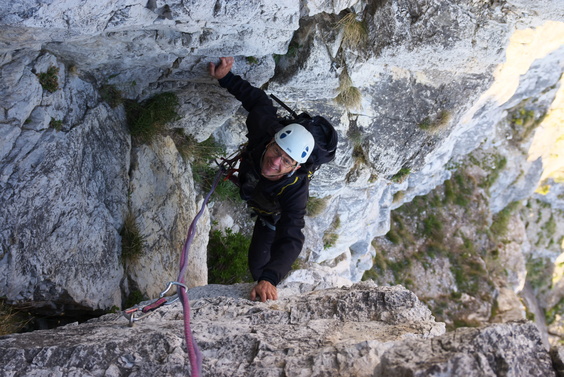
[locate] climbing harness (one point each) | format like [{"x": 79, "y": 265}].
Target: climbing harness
[
  {"x": 230, "y": 164},
  {"x": 226, "y": 166}
]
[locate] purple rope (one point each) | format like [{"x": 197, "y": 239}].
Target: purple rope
[{"x": 194, "y": 354}]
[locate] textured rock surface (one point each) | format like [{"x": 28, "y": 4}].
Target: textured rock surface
[
  {"x": 64, "y": 194},
  {"x": 163, "y": 201},
  {"x": 359, "y": 331},
  {"x": 490, "y": 351}
]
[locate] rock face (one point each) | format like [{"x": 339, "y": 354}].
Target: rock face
[
  {"x": 63, "y": 192},
  {"x": 359, "y": 331},
  {"x": 431, "y": 90},
  {"x": 163, "y": 201},
  {"x": 67, "y": 183}
]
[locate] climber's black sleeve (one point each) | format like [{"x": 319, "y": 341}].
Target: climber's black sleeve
[{"x": 262, "y": 117}]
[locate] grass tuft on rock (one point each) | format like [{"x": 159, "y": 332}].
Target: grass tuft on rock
[
  {"x": 148, "y": 118},
  {"x": 355, "y": 31},
  {"x": 49, "y": 80},
  {"x": 349, "y": 96},
  {"x": 315, "y": 206},
  {"x": 131, "y": 239}
]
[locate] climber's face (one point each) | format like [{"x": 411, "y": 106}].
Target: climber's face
[{"x": 276, "y": 163}]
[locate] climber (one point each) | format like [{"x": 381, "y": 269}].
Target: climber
[{"x": 271, "y": 181}]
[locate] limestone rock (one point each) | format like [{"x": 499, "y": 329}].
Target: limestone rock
[
  {"x": 66, "y": 192},
  {"x": 358, "y": 331},
  {"x": 339, "y": 332},
  {"x": 66, "y": 189},
  {"x": 63, "y": 190},
  {"x": 489, "y": 351},
  {"x": 162, "y": 199}
]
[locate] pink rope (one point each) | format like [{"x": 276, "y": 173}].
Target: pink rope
[{"x": 194, "y": 354}]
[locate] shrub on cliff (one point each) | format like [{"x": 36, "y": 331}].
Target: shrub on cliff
[{"x": 227, "y": 258}]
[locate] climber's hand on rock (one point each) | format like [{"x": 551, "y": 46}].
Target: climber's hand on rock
[
  {"x": 264, "y": 290},
  {"x": 222, "y": 68}
]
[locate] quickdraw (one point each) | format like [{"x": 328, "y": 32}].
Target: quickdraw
[{"x": 137, "y": 313}]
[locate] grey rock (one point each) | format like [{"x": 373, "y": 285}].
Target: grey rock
[
  {"x": 495, "y": 350},
  {"x": 64, "y": 194},
  {"x": 337, "y": 332},
  {"x": 163, "y": 201},
  {"x": 359, "y": 331}
]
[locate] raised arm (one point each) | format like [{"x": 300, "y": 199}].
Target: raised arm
[
  {"x": 222, "y": 69},
  {"x": 262, "y": 113}
]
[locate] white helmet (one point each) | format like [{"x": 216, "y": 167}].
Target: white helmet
[{"x": 296, "y": 141}]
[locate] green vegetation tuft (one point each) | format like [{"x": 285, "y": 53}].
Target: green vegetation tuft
[
  {"x": 437, "y": 123},
  {"x": 330, "y": 237},
  {"x": 227, "y": 258},
  {"x": 148, "y": 118},
  {"x": 501, "y": 219},
  {"x": 398, "y": 233},
  {"x": 370, "y": 274},
  {"x": 401, "y": 175},
  {"x": 379, "y": 262},
  {"x": 251, "y": 60},
  {"x": 464, "y": 322},
  {"x": 537, "y": 273},
  {"x": 202, "y": 157},
  {"x": 433, "y": 227},
  {"x": 458, "y": 190},
  {"x": 436, "y": 249},
  {"x": 111, "y": 95},
  {"x": 393, "y": 237},
  {"x": 132, "y": 241},
  {"x": 56, "y": 124},
  {"x": 49, "y": 80}
]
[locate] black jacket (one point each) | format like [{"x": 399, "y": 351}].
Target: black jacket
[{"x": 281, "y": 202}]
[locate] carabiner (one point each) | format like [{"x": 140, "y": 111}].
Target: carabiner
[
  {"x": 168, "y": 286},
  {"x": 155, "y": 304}
]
